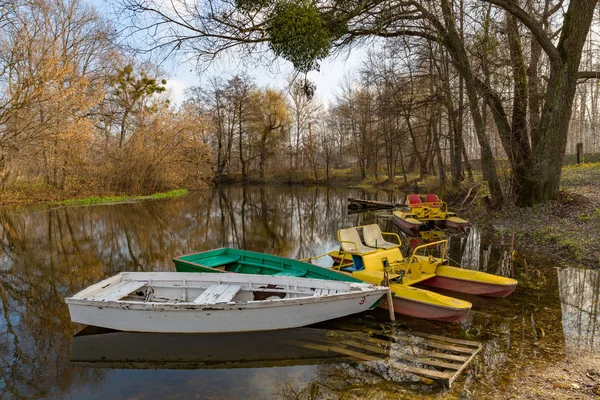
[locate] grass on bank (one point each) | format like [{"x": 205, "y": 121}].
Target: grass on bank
[{"x": 120, "y": 199}]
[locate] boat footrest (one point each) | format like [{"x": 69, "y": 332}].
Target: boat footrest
[
  {"x": 325, "y": 292},
  {"x": 215, "y": 294}
]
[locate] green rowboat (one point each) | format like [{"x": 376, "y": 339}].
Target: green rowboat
[{"x": 250, "y": 262}]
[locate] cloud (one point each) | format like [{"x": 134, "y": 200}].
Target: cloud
[{"x": 175, "y": 90}]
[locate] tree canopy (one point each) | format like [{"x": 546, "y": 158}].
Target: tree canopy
[{"x": 532, "y": 124}]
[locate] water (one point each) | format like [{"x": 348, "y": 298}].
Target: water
[{"x": 48, "y": 253}]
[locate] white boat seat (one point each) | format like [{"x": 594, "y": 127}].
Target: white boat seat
[
  {"x": 215, "y": 294},
  {"x": 119, "y": 290},
  {"x": 351, "y": 235},
  {"x": 374, "y": 238}
]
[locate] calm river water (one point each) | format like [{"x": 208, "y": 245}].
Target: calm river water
[{"x": 49, "y": 253}]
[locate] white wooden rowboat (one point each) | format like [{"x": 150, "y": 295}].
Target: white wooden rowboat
[{"x": 178, "y": 302}]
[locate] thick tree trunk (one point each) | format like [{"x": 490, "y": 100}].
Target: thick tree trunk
[
  {"x": 459, "y": 122},
  {"x": 520, "y": 154},
  {"x": 541, "y": 183},
  {"x": 417, "y": 154}
]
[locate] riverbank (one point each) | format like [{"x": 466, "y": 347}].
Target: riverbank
[
  {"x": 567, "y": 228},
  {"x": 121, "y": 199},
  {"x": 576, "y": 376},
  {"x": 347, "y": 177},
  {"x": 32, "y": 194}
]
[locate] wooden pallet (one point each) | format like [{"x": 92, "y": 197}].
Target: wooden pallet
[
  {"x": 446, "y": 356},
  {"x": 433, "y": 357}
]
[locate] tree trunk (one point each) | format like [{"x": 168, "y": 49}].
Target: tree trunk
[
  {"x": 438, "y": 152},
  {"x": 261, "y": 162},
  {"x": 457, "y": 172},
  {"x": 241, "y": 143},
  {"x": 123, "y": 123},
  {"x": 541, "y": 182},
  {"x": 462, "y": 64}
]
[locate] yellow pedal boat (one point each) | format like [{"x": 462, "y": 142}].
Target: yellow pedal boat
[
  {"x": 381, "y": 262},
  {"x": 426, "y": 213}
]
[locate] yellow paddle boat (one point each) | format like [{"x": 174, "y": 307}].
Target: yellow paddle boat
[
  {"x": 381, "y": 262},
  {"x": 425, "y": 213}
]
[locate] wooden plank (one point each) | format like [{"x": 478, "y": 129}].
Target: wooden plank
[
  {"x": 228, "y": 294},
  {"x": 119, "y": 290},
  {"x": 337, "y": 349},
  {"x": 435, "y": 344},
  {"x": 453, "y": 378},
  {"x": 372, "y": 340},
  {"x": 434, "y": 363},
  {"x": 211, "y": 294},
  {"x": 428, "y": 343},
  {"x": 428, "y": 373},
  {"x": 444, "y": 356},
  {"x": 469, "y": 343},
  {"x": 372, "y": 348}
]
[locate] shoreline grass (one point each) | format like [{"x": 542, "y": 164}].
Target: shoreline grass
[{"x": 120, "y": 199}]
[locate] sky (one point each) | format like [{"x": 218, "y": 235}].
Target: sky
[{"x": 182, "y": 74}]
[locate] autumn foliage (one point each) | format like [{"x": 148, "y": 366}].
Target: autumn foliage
[{"x": 78, "y": 117}]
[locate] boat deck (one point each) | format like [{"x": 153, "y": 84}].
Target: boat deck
[{"x": 374, "y": 276}]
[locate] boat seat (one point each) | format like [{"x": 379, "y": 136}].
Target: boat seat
[
  {"x": 374, "y": 238},
  {"x": 432, "y": 200},
  {"x": 119, "y": 290},
  {"x": 348, "y": 237},
  {"x": 216, "y": 293},
  {"x": 414, "y": 201},
  {"x": 216, "y": 261}
]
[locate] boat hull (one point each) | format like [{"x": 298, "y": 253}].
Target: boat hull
[
  {"x": 471, "y": 282},
  {"x": 419, "y": 303},
  {"x": 171, "y": 303},
  {"x": 411, "y": 308},
  {"x": 234, "y": 318},
  {"x": 409, "y": 227},
  {"x": 453, "y": 223},
  {"x": 251, "y": 262},
  {"x": 470, "y": 287}
]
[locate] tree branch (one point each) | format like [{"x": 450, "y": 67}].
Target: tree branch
[
  {"x": 533, "y": 26},
  {"x": 585, "y": 75}
]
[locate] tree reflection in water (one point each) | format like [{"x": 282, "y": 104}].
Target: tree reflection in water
[
  {"x": 47, "y": 254},
  {"x": 580, "y": 302}
]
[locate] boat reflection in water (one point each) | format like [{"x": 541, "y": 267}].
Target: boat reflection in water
[{"x": 103, "y": 348}]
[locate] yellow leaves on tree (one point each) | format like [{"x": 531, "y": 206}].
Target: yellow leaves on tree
[{"x": 270, "y": 119}]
